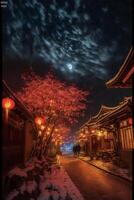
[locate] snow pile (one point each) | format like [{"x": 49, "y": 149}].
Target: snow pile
[
  {"x": 70, "y": 187},
  {"x": 85, "y": 158},
  {"x": 40, "y": 180},
  {"x": 12, "y": 195},
  {"x": 110, "y": 167}
]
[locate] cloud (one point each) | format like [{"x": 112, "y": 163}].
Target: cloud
[{"x": 59, "y": 35}]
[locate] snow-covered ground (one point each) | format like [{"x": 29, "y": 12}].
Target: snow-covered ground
[
  {"x": 65, "y": 182},
  {"x": 37, "y": 181},
  {"x": 110, "y": 167}
]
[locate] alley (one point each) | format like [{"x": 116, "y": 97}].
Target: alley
[{"x": 95, "y": 184}]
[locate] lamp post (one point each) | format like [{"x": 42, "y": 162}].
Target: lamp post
[{"x": 7, "y": 104}]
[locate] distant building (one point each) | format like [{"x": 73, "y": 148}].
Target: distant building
[{"x": 17, "y": 133}]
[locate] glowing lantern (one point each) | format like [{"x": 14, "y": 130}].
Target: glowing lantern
[
  {"x": 39, "y": 120},
  {"x": 42, "y": 127},
  {"x": 99, "y": 134},
  {"x": 8, "y": 104},
  {"x": 130, "y": 121},
  {"x": 48, "y": 133},
  {"x": 92, "y": 131},
  {"x": 40, "y": 132}
]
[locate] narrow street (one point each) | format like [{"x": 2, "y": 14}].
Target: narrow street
[{"x": 95, "y": 184}]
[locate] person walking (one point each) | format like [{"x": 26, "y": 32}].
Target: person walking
[
  {"x": 78, "y": 150},
  {"x": 74, "y": 150}
]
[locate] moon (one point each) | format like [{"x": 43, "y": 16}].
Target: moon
[{"x": 70, "y": 67}]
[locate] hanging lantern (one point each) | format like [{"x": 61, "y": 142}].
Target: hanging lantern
[
  {"x": 93, "y": 131},
  {"x": 99, "y": 133},
  {"x": 39, "y": 120},
  {"x": 7, "y": 104},
  {"x": 40, "y": 133},
  {"x": 47, "y": 132},
  {"x": 130, "y": 121},
  {"x": 42, "y": 127}
]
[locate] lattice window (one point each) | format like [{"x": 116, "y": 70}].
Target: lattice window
[{"x": 127, "y": 137}]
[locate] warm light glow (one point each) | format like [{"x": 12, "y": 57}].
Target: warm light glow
[
  {"x": 48, "y": 129},
  {"x": 47, "y": 132},
  {"x": 40, "y": 132},
  {"x": 42, "y": 127},
  {"x": 8, "y": 103},
  {"x": 130, "y": 121},
  {"x": 39, "y": 120},
  {"x": 92, "y": 131},
  {"x": 99, "y": 134},
  {"x": 105, "y": 133}
]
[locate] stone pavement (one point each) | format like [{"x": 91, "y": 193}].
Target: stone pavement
[{"x": 95, "y": 184}]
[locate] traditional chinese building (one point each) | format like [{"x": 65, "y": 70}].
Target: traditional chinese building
[
  {"x": 123, "y": 78},
  {"x": 17, "y": 133},
  {"x": 98, "y": 137},
  {"x": 111, "y": 130}
]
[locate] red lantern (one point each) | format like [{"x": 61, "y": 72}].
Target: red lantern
[
  {"x": 130, "y": 121},
  {"x": 39, "y": 120},
  {"x": 8, "y": 103},
  {"x": 93, "y": 131}
]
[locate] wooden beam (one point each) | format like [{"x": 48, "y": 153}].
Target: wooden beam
[{"x": 129, "y": 75}]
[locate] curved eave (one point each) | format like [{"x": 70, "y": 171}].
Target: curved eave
[
  {"x": 127, "y": 101},
  {"x": 103, "y": 111},
  {"x": 118, "y": 80},
  {"x": 116, "y": 112}
]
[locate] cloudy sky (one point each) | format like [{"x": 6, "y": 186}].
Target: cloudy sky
[{"x": 83, "y": 41}]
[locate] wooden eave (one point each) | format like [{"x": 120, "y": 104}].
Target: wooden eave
[
  {"x": 112, "y": 113},
  {"x": 123, "y": 77},
  {"x": 119, "y": 112},
  {"x": 103, "y": 111}
]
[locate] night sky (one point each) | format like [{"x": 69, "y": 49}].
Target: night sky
[{"x": 84, "y": 42}]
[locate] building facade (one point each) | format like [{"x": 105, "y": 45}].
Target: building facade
[
  {"x": 17, "y": 133},
  {"x": 123, "y": 79}
]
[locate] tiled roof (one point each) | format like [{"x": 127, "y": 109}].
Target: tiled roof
[
  {"x": 106, "y": 113},
  {"x": 123, "y": 77}
]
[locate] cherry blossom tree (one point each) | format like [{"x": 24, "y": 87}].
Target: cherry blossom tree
[{"x": 58, "y": 102}]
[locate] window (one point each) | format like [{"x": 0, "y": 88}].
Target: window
[{"x": 127, "y": 137}]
